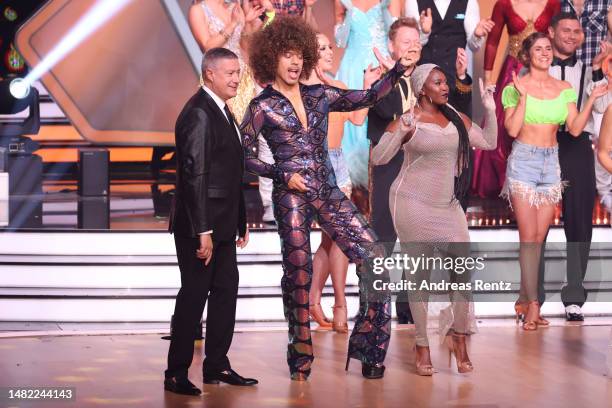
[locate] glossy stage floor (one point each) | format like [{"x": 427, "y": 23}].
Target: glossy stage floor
[{"x": 560, "y": 366}]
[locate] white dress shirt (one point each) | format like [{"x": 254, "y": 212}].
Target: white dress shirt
[
  {"x": 221, "y": 104},
  {"x": 472, "y": 18}
]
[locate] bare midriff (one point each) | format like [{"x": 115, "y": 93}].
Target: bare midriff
[{"x": 540, "y": 135}]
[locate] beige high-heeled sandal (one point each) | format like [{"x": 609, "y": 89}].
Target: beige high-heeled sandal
[
  {"x": 316, "y": 314},
  {"x": 458, "y": 346},
  {"x": 425, "y": 370},
  {"x": 340, "y": 325}
]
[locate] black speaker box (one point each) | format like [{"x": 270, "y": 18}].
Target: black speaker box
[
  {"x": 25, "y": 174},
  {"x": 93, "y": 172},
  {"x": 26, "y": 212},
  {"x": 93, "y": 213}
]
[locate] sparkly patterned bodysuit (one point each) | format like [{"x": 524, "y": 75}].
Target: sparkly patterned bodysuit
[{"x": 296, "y": 149}]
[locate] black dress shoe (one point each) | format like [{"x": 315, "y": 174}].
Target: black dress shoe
[
  {"x": 181, "y": 386},
  {"x": 372, "y": 372},
  {"x": 229, "y": 377}
]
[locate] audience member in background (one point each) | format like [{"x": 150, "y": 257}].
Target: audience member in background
[
  {"x": 446, "y": 27},
  {"x": 595, "y": 18},
  {"x": 521, "y": 17},
  {"x": 361, "y": 26}
]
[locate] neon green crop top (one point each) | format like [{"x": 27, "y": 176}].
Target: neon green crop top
[{"x": 541, "y": 111}]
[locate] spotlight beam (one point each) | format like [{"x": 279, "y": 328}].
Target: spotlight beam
[{"x": 94, "y": 18}]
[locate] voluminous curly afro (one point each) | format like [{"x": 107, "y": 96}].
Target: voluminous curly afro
[{"x": 285, "y": 33}]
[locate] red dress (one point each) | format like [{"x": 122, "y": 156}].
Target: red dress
[{"x": 490, "y": 166}]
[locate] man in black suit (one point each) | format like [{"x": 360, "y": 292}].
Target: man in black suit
[
  {"x": 208, "y": 213},
  {"x": 403, "y": 33}
]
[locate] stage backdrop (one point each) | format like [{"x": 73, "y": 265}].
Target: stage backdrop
[{"x": 126, "y": 83}]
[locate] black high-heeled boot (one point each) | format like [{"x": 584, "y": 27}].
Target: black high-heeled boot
[{"x": 369, "y": 371}]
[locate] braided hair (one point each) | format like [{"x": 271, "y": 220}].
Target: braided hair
[
  {"x": 418, "y": 79},
  {"x": 462, "y": 179}
]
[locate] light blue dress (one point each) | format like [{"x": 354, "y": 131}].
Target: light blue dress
[{"x": 359, "y": 34}]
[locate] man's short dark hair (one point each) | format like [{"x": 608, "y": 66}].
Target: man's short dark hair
[
  {"x": 215, "y": 54},
  {"x": 563, "y": 16}
]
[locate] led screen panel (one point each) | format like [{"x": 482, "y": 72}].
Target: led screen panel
[{"x": 126, "y": 83}]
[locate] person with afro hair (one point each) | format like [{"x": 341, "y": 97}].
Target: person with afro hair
[{"x": 293, "y": 119}]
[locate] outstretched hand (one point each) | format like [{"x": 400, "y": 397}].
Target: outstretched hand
[
  {"x": 426, "y": 21},
  {"x": 599, "y": 90},
  {"x": 461, "y": 64},
  {"x": 383, "y": 61},
  {"x": 486, "y": 95},
  {"x": 518, "y": 86},
  {"x": 407, "y": 124},
  {"x": 370, "y": 76},
  {"x": 325, "y": 79},
  {"x": 484, "y": 27}
]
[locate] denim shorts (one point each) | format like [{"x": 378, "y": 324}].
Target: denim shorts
[
  {"x": 340, "y": 169},
  {"x": 534, "y": 174}
]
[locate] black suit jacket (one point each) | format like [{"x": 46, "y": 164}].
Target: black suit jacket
[{"x": 209, "y": 167}]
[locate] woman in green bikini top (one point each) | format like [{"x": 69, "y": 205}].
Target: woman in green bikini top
[{"x": 536, "y": 105}]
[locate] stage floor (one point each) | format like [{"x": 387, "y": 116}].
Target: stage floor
[{"x": 560, "y": 366}]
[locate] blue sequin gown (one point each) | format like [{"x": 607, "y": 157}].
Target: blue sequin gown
[{"x": 359, "y": 34}]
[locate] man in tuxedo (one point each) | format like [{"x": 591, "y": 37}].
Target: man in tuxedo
[
  {"x": 208, "y": 213},
  {"x": 403, "y": 34}
]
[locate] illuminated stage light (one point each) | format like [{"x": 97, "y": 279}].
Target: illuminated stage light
[
  {"x": 19, "y": 88},
  {"x": 95, "y": 17}
]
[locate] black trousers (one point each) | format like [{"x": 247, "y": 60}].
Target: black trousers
[
  {"x": 578, "y": 169},
  {"x": 217, "y": 282},
  {"x": 382, "y": 222}
]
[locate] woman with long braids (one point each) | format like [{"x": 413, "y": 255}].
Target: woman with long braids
[
  {"x": 424, "y": 199},
  {"x": 533, "y": 178}
]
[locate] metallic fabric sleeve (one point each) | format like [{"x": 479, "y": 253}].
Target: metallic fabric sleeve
[
  {"x": 252, "y": 125},
  {"x": 344, "y": 100}
]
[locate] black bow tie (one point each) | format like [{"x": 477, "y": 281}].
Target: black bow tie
[{"x": 568, "y": 62}]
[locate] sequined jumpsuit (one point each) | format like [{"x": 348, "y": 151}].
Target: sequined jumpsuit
[{"x": 296, "y": 149}]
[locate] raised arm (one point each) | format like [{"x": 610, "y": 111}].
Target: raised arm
[
  {"x": 604, "y": 146},
  {"x": 343, "y": 100},
  {"x": 493, "y": 40},
  {"x": 308, "y": 15},
  {"x": 485, "y": 139},
  {"x": 252, "y": 125},
  {"x": 396, "y": 134},
  {"x": 514, "y": 100},
  {"x": 192, "y": 146},
  {"x": 475, "y": 28},
  {"x": 461, "y": 94},
  {"x": 342, "y": 25},
  {"x": 198, "y": 24},
  {"x": 388, "y": 146},
  {"x": 576, "y": 121}
]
